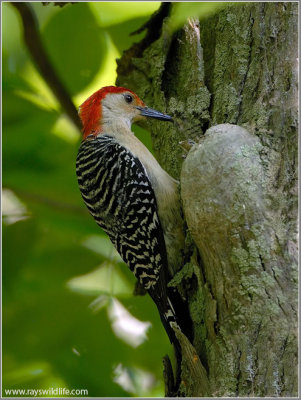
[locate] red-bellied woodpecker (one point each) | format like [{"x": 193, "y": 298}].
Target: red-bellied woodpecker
[{"x": 130, "y": 196}]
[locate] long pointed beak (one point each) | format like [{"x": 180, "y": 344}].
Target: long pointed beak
[{"x": 149, "y": 112}]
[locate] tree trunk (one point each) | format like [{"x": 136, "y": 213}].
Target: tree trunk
[{"x": 235, "y": 72}]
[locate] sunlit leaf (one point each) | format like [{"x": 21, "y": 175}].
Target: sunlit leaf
[
  {"x": 44, "y": 12},
  {"x": 135, "y": 380},
  {"x": 125, "y": 326},
  {"x": 103, "y": 246},
  {"x": 121, "y": 33},
  {"x": 11, "y": 37},
  {"x": 65, "y": 130},
  {"x": 111, "y": 13},
  {"x": 77, "y": 50},
  {"x": 106, "y": 75},
  {"x": 106, "y": 279},
  {"x": 13, "y": 209}
]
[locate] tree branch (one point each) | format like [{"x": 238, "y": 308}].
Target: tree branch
[{"x": 36, "y": 48}]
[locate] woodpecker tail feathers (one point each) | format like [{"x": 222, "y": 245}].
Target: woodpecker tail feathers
[{"x": 173, "y": 312}]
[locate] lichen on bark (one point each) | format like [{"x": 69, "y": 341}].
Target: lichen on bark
[{"x": 226, "y": 205}]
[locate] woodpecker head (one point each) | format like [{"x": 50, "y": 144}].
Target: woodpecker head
[{"x": 112, "y": 103}]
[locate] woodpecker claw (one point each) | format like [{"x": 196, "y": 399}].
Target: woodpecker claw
[{"x": 186, "y": 145}]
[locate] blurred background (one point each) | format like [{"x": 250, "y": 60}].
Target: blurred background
[{"x": 69, "y": 315}]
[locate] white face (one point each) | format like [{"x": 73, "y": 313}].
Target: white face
[{"x": 122, "y": 106}]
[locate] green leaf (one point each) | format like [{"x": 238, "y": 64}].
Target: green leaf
[
  {"x": 51, "y": 334},
  {"x": 102, "y": 245},
  {"x": 111, "y": 13},
  {"x": 76, "y": 45},
  {"x": 11, "y": 36},
  {"x": 121, "y": 33},
  {"x": 107, "y": 279}
]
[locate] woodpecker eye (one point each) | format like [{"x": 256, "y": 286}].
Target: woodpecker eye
[{"x": 128, "y": 98}]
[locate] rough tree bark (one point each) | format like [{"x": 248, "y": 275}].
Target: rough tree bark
[{"x": 235, "y": 70}]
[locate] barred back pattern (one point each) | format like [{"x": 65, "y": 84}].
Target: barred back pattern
[
  {"x": 117, "y": 192},
  {"x": 119, "y": 195}
]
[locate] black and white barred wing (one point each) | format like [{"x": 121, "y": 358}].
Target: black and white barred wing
[{"x": 119, "y": 195}]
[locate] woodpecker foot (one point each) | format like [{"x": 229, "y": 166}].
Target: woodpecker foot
[{"x": 186, "y": 145}]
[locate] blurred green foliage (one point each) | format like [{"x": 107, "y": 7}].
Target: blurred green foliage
[
  {"x": 67, "y": 296},
  {"x": 63, "y": 282}
]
